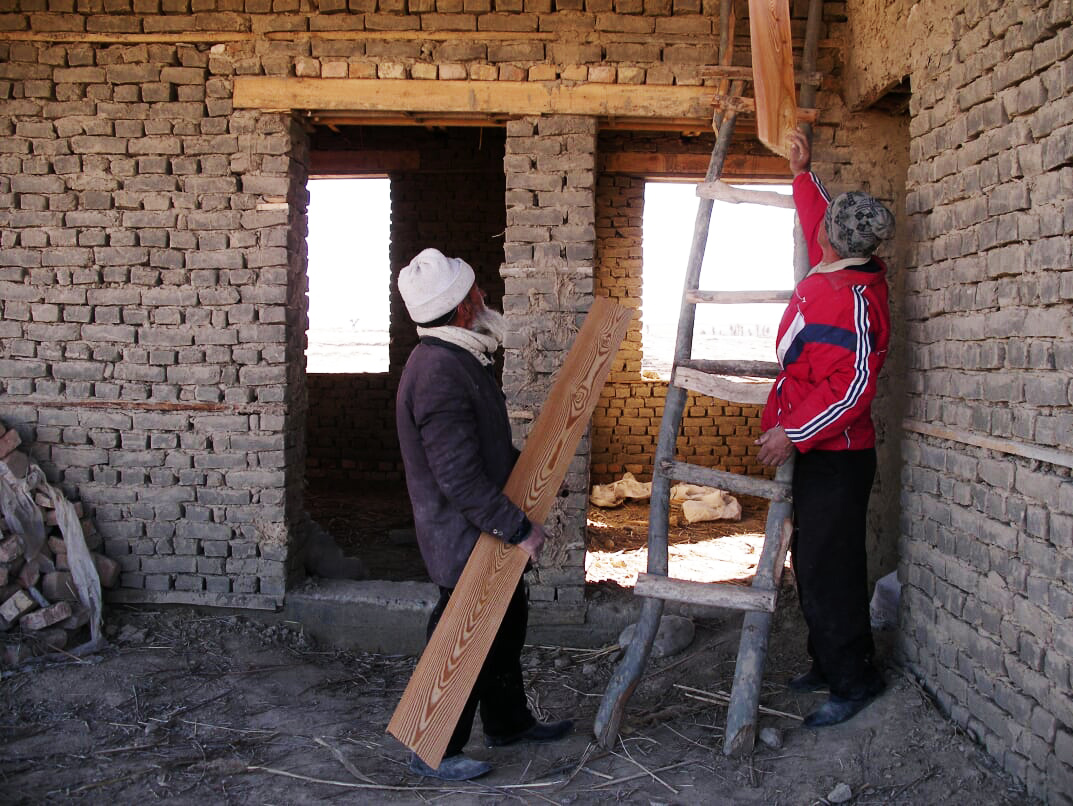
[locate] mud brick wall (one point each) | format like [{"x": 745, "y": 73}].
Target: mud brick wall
[
  {"x": 152, "y": 285},
  {"x": 453, "y": 202},
  {"x": 987, "y": 503},
  {"x": 550, "y": 168},
  {"x": 626, "y": 422}
]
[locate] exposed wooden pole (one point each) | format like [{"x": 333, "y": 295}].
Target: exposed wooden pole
[{"x": 433, "y": 700}]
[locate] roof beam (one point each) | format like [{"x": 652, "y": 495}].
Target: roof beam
[{"x": 512, "y": 98}]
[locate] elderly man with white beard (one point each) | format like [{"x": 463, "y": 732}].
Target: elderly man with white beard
[{"x": 456, "y": 448}]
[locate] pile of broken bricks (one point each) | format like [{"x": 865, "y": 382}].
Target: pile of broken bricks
[{"x": 41, "y": 611}]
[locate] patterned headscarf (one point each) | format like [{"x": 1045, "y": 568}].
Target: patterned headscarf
[{"x": 856, "y": 223}]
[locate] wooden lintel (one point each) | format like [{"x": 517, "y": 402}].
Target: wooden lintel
[
  {"x": 362, "y": 163},
  {"x": 736, "y": 167},
  {"x": 516, "y": 98}
]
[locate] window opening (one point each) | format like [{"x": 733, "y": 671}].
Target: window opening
[
  {"x": 349, "y": 275},
  {"x": 750, "y": 248}
]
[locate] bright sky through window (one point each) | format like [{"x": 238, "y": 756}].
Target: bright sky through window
[
  {"x": 750, "y": 247},
  {"x": 349, "y": 275}
]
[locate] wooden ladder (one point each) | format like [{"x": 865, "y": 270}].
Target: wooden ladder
[{"x": 715, "y": 378}]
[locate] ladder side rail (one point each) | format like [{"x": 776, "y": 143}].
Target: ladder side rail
[
  {"x": 628, "y": 673},
  {"x": 740, "y": 735}
]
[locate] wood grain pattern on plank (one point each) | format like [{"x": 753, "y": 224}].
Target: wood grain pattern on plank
[
  {"x": 444, "y": 677},
  {"x": 773, "y": 73}
]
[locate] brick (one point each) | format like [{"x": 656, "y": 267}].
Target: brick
[
  {"x": 17, "y": 605},
  {"x": 59, "y": 585},
  {"x": 46, "y": 617}
]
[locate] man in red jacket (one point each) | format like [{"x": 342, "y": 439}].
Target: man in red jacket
[{"x": 832, "y": 342}]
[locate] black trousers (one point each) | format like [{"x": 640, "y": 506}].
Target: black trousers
[
  {"x": 831, "y": 490},
  {"x": 499, "y": 690}
]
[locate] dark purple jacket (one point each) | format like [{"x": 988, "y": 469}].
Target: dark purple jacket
[{"x": 456, "y": 447}]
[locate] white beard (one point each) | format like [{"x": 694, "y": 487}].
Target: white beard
[{"x": 492, "y": 323}]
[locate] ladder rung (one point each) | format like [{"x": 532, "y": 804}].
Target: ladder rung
[
  {"x": 746, "y": 74},
  {"x": 731, "y": 482},
  {"x": 748, "y": 369},
  {"x": 695, "y": 296},
  {"x": 716, "y": 594},
  {"x": 720, "y": 387},
  {"x": 738, "y": 103},
  {"x": 721, "y": 191}
]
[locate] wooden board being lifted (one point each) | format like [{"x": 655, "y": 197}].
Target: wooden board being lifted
[
  {"x": 773, "y": 73},
  {"x": 433, "y": 700}
]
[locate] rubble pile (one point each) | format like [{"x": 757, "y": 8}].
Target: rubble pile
[{"x": 42, "y": 608}]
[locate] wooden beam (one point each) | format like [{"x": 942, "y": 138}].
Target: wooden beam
[
  {"x": 169, "y": 37},
  {"x": 712, "y": 594},
  {"x": 737, "y": 167},
  {"x": 1038, "y": 453},
  {"x": 773, "y": 73},
  {"x": 488, "y": 97},
  {"x": 445, "y": 674},
  {"x": 362, "y": 162}
]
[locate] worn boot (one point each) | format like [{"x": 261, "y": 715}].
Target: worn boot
[
  {"x": 537, "y": 732},
  {"x": 453, "y": 768},
  {"x": 811, "y": 680}
]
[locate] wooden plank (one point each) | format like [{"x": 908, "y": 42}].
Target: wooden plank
[
  {"x": 739, "y": 297},
  {"x": 713, "y": 594},
  {"x": 445, "y": 673},
  {"x": 1038, "y": 453},
  {"x": 773, "y": 73},
  {"x": 721, "y": 191},
  {"x": 721, "y": 388},
  {"x": 490, "y": 97},
  {"x": 731, "y": 482},
  {"x": 736, "y": 168}
]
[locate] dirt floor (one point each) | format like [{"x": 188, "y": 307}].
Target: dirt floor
[
  {"x": 197, "y": 707},
  {"x": 192, "y": 707},
  {"x": 377, "y": 527}
]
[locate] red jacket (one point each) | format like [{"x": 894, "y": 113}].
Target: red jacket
[{"x": 832, "y": 342}]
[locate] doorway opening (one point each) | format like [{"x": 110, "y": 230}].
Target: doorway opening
[{"x": 749, "y": 247}]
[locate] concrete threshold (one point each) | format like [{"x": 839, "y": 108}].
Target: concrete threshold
[{"x": 391, "y": 617}]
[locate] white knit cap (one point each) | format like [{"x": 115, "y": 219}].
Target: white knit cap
[{"x": 432, "y": 284}]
